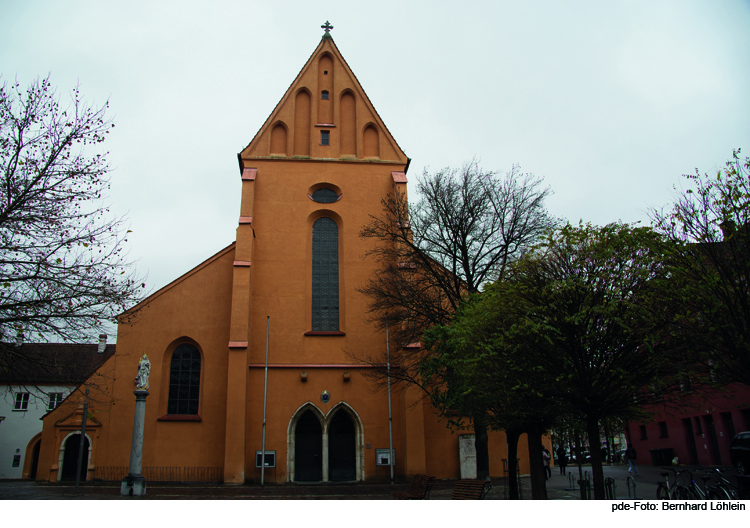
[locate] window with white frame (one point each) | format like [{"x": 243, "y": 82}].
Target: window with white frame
[
  {"x": 22, "y": 401},
  {"x": 55, "y": 399}
]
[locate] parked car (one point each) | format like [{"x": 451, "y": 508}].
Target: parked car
[{"x": 739, "y": 452}]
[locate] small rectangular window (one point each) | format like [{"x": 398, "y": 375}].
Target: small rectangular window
[
  {"x": 22, "y": 401},
  {"x": 325, "y": 137},
  {"x": 16, "y": 460},
  {"x": 324, "y": 95},
  {"x": 644, "y": 436},
  {"x": 55, "y": 399},
  {"x": 663, "y": 433}
]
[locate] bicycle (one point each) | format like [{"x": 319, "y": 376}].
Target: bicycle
[
  {"x": 695, "y": 492},
  {"x": 673, "y": 492},
  {"x": 724, "y": 490}
]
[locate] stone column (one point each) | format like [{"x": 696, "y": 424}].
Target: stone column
[{"x": 135, "y": 483}]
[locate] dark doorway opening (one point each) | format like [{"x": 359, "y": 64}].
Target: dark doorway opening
[
  {"x": 70, "y": 458},
  {"x": 308, "y": 449},
  {"x": 728, "y": 428},
  {"x": 34, "y": 460},
  {"x": 713, "y": 442},
  {"x": 342, "y": 452},
  {"x": 690, "y": 437}
]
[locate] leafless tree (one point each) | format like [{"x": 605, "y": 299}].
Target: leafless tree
[
  {"x": 63, "y": 269},
  {"x": 467, "y": 226}
]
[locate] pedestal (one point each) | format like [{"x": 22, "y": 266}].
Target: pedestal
[{"x": 135, "y": 483}]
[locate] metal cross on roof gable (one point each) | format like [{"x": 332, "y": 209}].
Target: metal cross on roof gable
[{"x": 328, "y": 27}]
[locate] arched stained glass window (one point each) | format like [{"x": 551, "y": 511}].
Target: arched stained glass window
[
  {"x": 325, "y": 276},
  {"x": 184, "y": 380}
]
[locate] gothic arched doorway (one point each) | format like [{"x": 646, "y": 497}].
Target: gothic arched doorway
[
  {"x": 342, "y": 451},
  {"x": 308, "y": 449},
  {"x": 70, "y": 457}
]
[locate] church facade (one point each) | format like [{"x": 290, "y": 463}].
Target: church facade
[{"x": 312, "y": 175}]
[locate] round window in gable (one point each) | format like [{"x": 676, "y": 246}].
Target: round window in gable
[{"x": 325, "y": 195}]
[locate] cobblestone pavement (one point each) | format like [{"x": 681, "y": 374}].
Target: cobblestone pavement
[{"x": 557, "y": 489}]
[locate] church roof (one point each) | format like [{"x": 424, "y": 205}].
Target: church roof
[
  {"x": 123, "y": 316},
  {"x": 285, "y": 112}
]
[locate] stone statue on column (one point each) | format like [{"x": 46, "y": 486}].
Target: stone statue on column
[{"x": 135, "y": 483}]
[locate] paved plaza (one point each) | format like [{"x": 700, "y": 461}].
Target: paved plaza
[{"x": 557, "y": 489}]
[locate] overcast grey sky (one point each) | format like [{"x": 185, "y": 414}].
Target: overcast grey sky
[{"x": 610, "y": 102}]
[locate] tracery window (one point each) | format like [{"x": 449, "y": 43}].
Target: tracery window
[
  {"x": 325, "y": 195},
  {"x": 325, "y": 275},
  {"x": 184, "y": 380}
]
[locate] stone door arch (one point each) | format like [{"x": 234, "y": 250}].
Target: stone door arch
[{"x": 67, "y": 459}]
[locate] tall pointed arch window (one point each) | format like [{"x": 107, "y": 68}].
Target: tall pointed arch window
[
  {"x": 184, "y": 380},
  {"x": 325, "y": 275}
]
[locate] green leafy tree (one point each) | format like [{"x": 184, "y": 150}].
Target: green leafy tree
[
  {"x": 709, "y": 225},
  {"x": 596, "y": 295},
  {"x": 484, "y": 361}
]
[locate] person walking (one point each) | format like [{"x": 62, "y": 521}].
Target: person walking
[
  {"x": 630, "y": 456},
  {"x": 546, "y": 456},
  {"x": 562, "y": 459}
]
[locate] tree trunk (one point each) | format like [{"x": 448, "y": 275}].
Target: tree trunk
[
  {"x": 536, "y": 461},
  {"x": 609, "y": 441},
  {"x": 570, "y": 445},
  {"x": 592, "y": 428},
  {"x": 579, "y": 457},
  {"x": 511, "y": 438},
  {"x": 481, "y": 444}
]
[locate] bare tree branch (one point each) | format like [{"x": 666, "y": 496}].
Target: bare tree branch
[{"x": 63, "y": 267}]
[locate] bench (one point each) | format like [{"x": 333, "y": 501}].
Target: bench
[
  {"x": 471, "y": 489},
  {"x": 419, "y": 489}
]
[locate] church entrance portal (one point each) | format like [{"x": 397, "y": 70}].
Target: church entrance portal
[
  {"x": 308, "y": 449},
  {"x": 341, "y": 448},
  {"x": 71, "y": 457},
  {"x": 325, "y": 447}
]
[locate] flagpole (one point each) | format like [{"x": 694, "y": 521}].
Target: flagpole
[
  {"x": 390, "y": 410},
  {"x": 265, "y": 399}
]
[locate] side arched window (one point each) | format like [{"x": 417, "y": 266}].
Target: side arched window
[
  {"x": 184, "y": 380},
  {"x": 325, "y": 275}
]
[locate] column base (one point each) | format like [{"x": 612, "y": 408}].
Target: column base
[{"x": 134, "y": 485}]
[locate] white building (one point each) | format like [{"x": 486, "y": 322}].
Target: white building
[{"x": 41, "y": 377}]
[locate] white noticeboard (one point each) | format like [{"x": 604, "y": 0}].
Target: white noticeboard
[
  {"x": 467, "y": 455},
  {"x": 270, "y": 458},
  {"x": 383, "y": 456}
]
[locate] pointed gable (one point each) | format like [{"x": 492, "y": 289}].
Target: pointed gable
[
  {"x": 75, "y": 419},
  {"x": 325, "y": 114}
]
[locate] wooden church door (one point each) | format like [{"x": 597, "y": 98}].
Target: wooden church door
[
  {"x": 342, "y": 461},
  {"x": 308, "y": 449}
]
